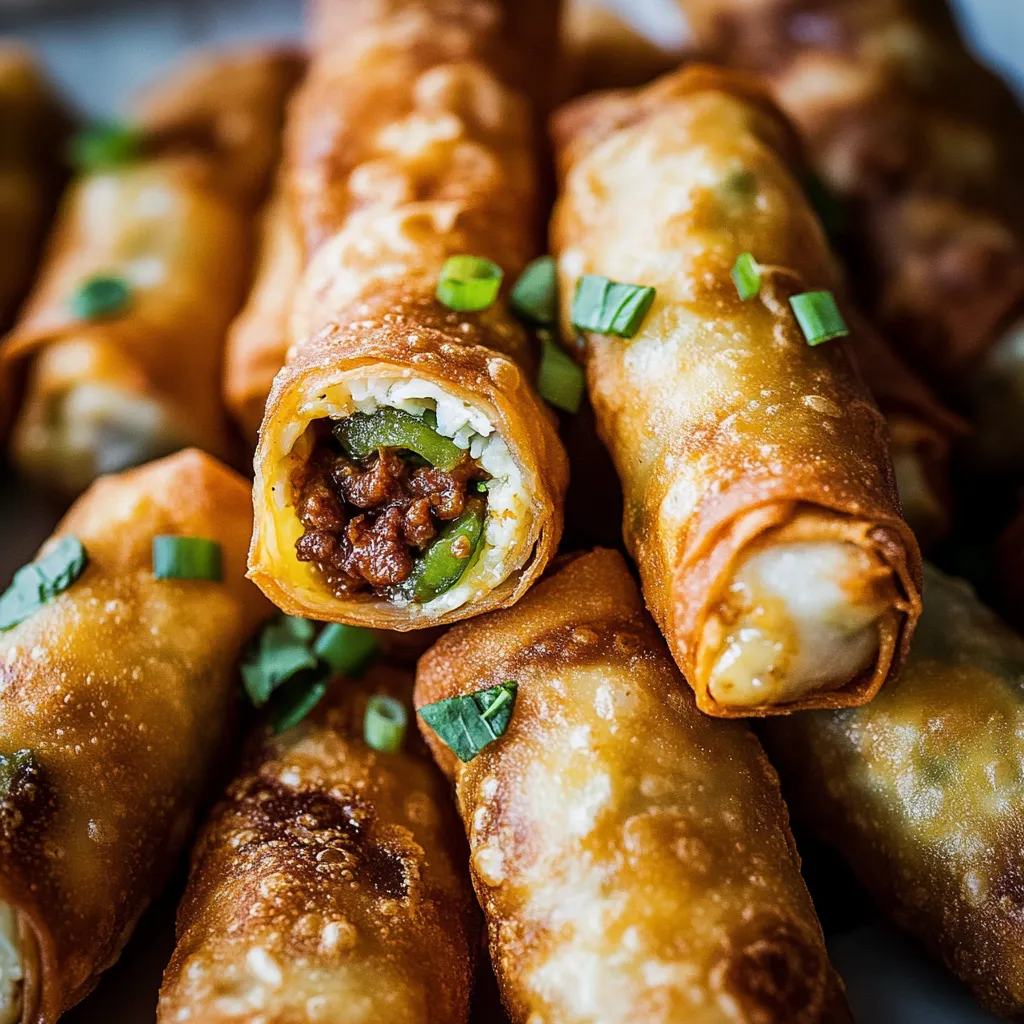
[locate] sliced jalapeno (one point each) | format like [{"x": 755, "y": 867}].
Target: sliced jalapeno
[
  {"x": 450, "y": 554},
  {"x": 361, "y": 435}
]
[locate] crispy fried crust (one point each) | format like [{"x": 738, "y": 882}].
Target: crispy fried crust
[
  {"x": 330, "y": 884},
  {"x": 722, "y": 421},
  {"x": 632, "y": 856},
  {"x": 122, "y": 688},
  {"x": 176, "y": 226},
  {"x": 927, "y": 143},
  {"x": 921, "y": 791},
  {"x": 406, "y": 145}
]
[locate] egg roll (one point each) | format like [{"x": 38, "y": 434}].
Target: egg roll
[
  {"x": 115, "y": 698},
  {"x": 330, "y": 884},
  {"x": 632, "y": 856},
  {"x": 921, "y": 790},
  {"x": 407, "y": 473},
  {"x": 926, "y": 146},
  {"x": 760, "y": 502},
  {"x": 122, "y": 337}
]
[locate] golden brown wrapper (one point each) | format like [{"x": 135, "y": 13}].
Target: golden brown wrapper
[
  {"x": 926, "y": 143},
  {"x": 121, "y": 687},
  {"x": 632, "y": 856},
  {"x": 329, "y": 884},
  {"x": 405, "y": 146},
  {"x": 723, "y": 422},
  {"x": 174, "y": 225},
  {"x": 921, "y": 790}
]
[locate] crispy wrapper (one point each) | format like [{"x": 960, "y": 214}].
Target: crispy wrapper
[
  {"x": 175, "y": 226},
  {"x": 330, "y": 883},
  {"x": 727, "y": 429},
  {"x": 922, "y": 792},
  {"x": 405, "y": 147},
  {"x": 121, "y": 688},
  {"x": 632, "y": 856},
  {"x": 927, "y": 143}
]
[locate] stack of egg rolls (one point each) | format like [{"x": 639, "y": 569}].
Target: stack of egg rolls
[
  {"x": 147, "y": 265},
  {"x": 330, "y": 884},
  {"x": 114, "y": 700},
  {"x": 760, "y": 502},
  {"x": 922, "y": 790},
  {"x": 632, "y": 856},
  {"x": 402, "y": 434},
  {"x": 927, "y": 145}
]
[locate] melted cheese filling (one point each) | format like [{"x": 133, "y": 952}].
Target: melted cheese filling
[
  {"x": 797, "y": 618},
  {"x": 11, "y": 970}
]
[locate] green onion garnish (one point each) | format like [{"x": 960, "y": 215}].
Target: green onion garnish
[
  {"x": 105, "y": 146},
  {"x": 819, "y": 317},
  {"x": 296, "y": 700},
  {"x": 607, "y": 307},
  {"x": 42, "y": 580},
  {"x": 283, "y": 651},
  {"x": 100, "y": 296},
  {"x": 534, "y": 297},
  {"x": 560, "y": 380},
  {"x": 469, "y": 722},
  {"x": 746, "y": 275},
  {"x": 384, "y": 724},
  {"x": 346, "y": 649},
  {"x": 468, "y": 283},
  {"x": 186, "y": 558}
]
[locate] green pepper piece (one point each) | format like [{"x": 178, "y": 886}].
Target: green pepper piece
[
  {"x": 439, "y": 568},
  {"x": 361, "y": 435}
]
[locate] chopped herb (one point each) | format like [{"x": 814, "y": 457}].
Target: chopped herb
[
  {"x": 346, "y": 649},
  {"x": 99, "y": 297},
  {"x": 608, "y": 307},
  {"x": 186, "y": 558},
  {"x": 42, "y": 580},
  {"x": 363, "y": 434},
  {"x": 283, "y": 651},
  {"x": 746, "y": 275},
  {"x": 560, "y": 380},
  {"x": 819, "y": 317},
  {"x": 106, "y": 146},
  {"x": 296, "y": 699},
  {"x": 468, "y": 283},
  {"x": 469, "y": 722},
  {"x": 534, "y": 297},
  {"x": 384, "y": 724}
]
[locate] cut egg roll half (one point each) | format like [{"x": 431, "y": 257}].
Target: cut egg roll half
[{"x": 760, "y": 499}]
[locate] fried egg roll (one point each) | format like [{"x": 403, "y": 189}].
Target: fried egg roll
[
  {"x": 922, "y": 790},
  {"x": 632, "y": 856},
  {"x": 759, "y": 491},
  {"x": 927, "y": 146},
  {"x": 148, "y": 263},
  {"x": 330, "y": 883},
  {"x": 407, "y": 472},
  {"x": 114, "y": 698}
]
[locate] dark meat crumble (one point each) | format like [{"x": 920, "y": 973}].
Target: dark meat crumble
[{"x": 366, "y": 523}]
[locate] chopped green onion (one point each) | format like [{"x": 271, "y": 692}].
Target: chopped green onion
[
  {"x": 534, "y": 297},
  {"x": 819, "y": 317},
  {"x": 296, "y": 700},
  {"x": 106, "y": 146},
  {"x": 607, "y": 307},
  {"x": 42, "y": 580},
  {"x": 20, "y": 765},
  {"x": 560, "y": 380},
  {"x": 100, "y": 296},
  {"x": 384, "y": 724},
  {"x": 449, "y": 556},
  {"x": 186, "y": 558},
  {"x": 469, "y": 722},
  {"x": 746, "y": 275},
  {"x": 362, "y": 434},
  {"x": 346, "y": 649},
  {"x": 468, "y": 283},
  {"x": 282, "y": 652}
]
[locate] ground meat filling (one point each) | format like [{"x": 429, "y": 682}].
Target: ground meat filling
[{"x": 366, "y": 523}]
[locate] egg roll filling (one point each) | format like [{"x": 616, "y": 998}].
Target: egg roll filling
[
  {"x": 796, "y": 618},
  {"x": 12, "y": 972},
  {"x": 408, "y": 498}
]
